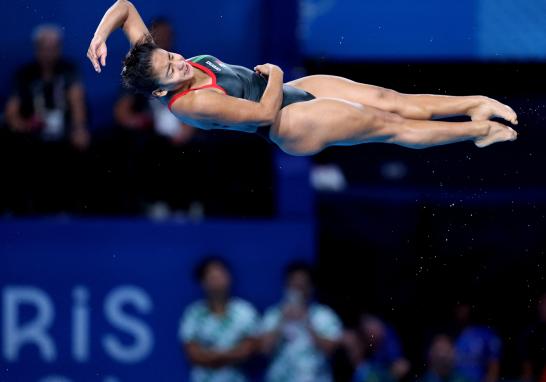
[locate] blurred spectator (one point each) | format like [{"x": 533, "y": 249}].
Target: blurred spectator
[
  {"x": 219, "y": 332},
  {"x": 138, "y": 112},
  {"x": 46, "y": 116},
  {"x": 533, "y": 347},
  {"x": 478, "y": 348},
  {"x": 441, "y": 361},
  {"x": 376, "y": 351},
  {"x": 299, "y": 333},
  {"x": 157, "y": 142},
  {"x": 48, "y": 98}
]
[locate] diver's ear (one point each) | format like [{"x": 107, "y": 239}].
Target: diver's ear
[{"x": 159, "y": 93}]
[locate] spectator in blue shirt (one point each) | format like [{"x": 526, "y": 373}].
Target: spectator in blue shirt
[
  {"x": 478, "y": 348},
  {"x": 441, "y": 361},
  {"x": 379, "y": 352}
]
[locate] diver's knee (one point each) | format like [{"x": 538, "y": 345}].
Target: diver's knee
[
  {"x": 407, "y": 105},
  {"x": 301, "y": 150}
]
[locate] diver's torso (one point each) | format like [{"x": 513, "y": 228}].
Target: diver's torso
[
  {"x": 240, "y": 82},
  {"x": 236, "y": 80}
]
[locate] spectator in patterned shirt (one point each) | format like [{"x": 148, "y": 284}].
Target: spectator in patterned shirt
[
  {"x": 218, "y": 333},
  {"x": 299, "y": 333}
]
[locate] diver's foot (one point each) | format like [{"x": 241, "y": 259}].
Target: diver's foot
[
  {"x": 497, "y": 133},
  {"x": 488, "y": 108}
]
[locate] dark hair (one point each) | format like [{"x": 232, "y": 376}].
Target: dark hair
[
  {"x": 137, "y": 70},
  {"x": 203, "y": 266},
  {"x": 299, "y": 266}
]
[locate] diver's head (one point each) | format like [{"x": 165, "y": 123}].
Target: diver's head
[{"x": 151, "y": 70}]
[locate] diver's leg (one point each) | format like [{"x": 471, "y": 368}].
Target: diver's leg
[
  {"x": 413, "y": 106},
  {"x": 306, "y": 128}
]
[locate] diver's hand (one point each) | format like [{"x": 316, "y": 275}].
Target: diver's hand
[
  {"x": 97, "y": 52},
  {"x": 266, "y": 69}
]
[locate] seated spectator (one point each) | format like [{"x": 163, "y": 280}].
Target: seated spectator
[
  {"x": 137, "y": 112},
  {"x": 478, "y": 348},
  {"x": 299, "y": 333},
  {"x": 441, "y": 361},
  {"x": 48, "y": 98},
  {"x": 376, "y": 351},
  {"x": 533, "y": 347},
  {"x": 46, "y": 114},
  {"x": 159, "y": 144},
  {"x": 219, "y": 332}
]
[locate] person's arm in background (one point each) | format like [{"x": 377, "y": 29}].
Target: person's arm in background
[
  {"x": 353, "y": 347},
  {"x": 216, "y": 359},
  {"x": 493, "y": 371},
  {"x": 325, "y": 329},
  {"x": 269, "y": 341},
  {"x": 14, "y": 119},
  {"x": 328, "y": 346},
  {"x": 13, "y": 116},
  {"x": 79, "y": 136},
  {"x": 126, "y": 117},
  {"x": 326, "y": 338},
  {"x": 200, "y": 356},
  {"x": 240, "y": 353},
  {"x": 248, "y": 345},
  {"x": 400, "y": 366},
  {"x": 493, "y": 366},
  {"x": 270, "y": 330},
  {"x": 122, "y": 14}
]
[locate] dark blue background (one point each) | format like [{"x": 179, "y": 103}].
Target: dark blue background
[{"x": 56, "y": 256}]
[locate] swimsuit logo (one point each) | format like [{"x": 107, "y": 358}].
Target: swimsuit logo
[{"x": 214, "y": 66}]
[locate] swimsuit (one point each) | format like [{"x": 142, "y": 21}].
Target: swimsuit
[{"x": 238, "y": 81}]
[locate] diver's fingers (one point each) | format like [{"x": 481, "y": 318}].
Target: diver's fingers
[
  {"x": 103, "y": 58},
  {"x": 92, "y": 54}
]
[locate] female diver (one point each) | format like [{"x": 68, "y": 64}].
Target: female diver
[{"x": 303, "y": 116}]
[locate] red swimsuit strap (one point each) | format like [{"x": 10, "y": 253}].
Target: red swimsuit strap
[{"x": 209, "y": 72}]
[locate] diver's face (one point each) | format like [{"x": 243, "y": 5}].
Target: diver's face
[{"x": 171, "y": 69}]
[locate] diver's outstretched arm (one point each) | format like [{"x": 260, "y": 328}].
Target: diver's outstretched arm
[{"x": 122, "y": 14}]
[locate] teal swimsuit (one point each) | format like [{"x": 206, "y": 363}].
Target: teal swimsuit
[{"x": 238, "y": 81}]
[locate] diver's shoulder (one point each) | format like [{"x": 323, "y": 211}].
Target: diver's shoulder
[{"x": 202, "y": 57}]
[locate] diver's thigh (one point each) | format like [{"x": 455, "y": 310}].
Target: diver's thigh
[
  {"x": 305, "y": 128},
  {"x": 323, "y": 85}
]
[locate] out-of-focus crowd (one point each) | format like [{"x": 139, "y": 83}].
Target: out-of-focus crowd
[
  {"x": 305, "y": 341},
  {"x": 145, "y": 162}
]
